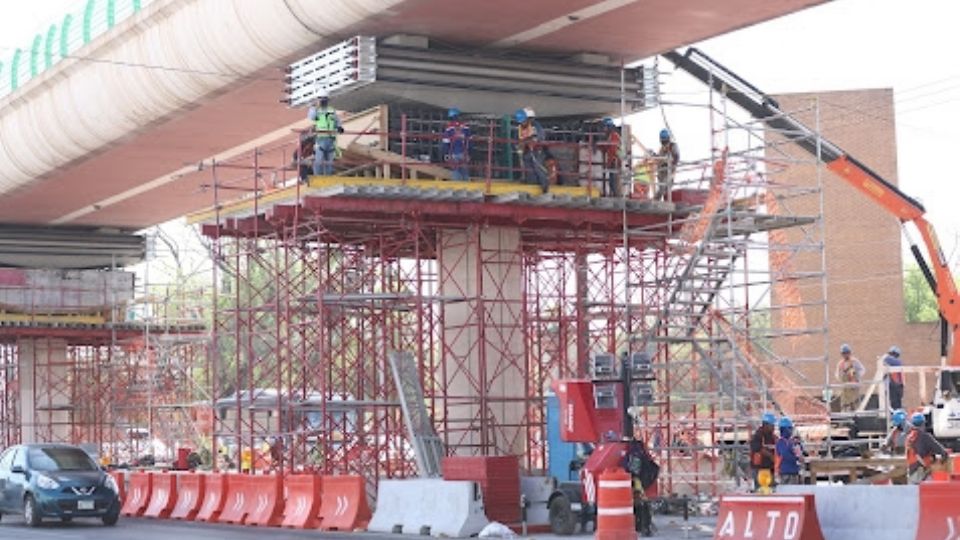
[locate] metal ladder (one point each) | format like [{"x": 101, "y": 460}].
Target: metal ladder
[{"x": 427, "y": 447}]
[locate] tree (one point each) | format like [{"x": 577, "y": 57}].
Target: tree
[{"x": 918, "y": 300}]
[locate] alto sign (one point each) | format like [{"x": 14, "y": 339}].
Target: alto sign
[{"x": 763, "y": 518}]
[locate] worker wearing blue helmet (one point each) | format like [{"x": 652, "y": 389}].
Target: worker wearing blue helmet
[
  {"x": 894, "y": 379},
  {"x": 667, "y": 160},
  {"x": 850, "y": 374},
  {"x": 923, "y": 450},
  {"x": 612, "y": 158},
  {"x": 895, "y": 442},
  {"x": 531, "y": 136},
  {"x": 763, "y": 447},
  {"x": 455, "y": 145},
  {"x": 789, "y": 453}
]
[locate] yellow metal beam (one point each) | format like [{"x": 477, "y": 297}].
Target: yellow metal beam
[
  {"x": 316, "y": 183},
  {"x": 62, "y": 318}
]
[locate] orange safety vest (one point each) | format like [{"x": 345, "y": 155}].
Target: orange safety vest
[{"x": 912, "y": 456}]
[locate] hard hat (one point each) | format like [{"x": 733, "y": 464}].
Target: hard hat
[
  {"x": 607, "y": 121},
  {"x": 844, "y": 349},
  {"x": 664, "y": 134},
  {"x": 453, "y": 112},
  {"x": 530, "y": 112},
  {"x": 769, "y": 418},
  {"x": 786, "y": 422},
  {"x": 520, "y": 116},
  {"x": 323, "y": 93},
  {"x": 899, "y": 417},
  {"x": 918, "y": 420},
  {"x": 894, "y": 350}
]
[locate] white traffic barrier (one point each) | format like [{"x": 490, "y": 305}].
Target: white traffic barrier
[
  {"x": 537, "y": 491},
  {"x": 854, "y": 512},
  {"x": 452, "y": 509}
]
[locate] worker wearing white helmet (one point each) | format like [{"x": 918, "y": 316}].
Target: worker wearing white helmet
[
  {"x": 530, "y": 134},
  {"x": 326, "y": 126}
]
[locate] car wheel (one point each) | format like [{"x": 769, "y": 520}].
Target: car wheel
[
  {"x": 562, "y": 520},
  {"x": 31, "y": 514},
  {"x": 111, "y": 517}
]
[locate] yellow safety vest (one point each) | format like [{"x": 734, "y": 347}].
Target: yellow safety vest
[{"x": 326, "y": 122}]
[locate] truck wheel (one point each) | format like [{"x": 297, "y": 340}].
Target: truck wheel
[{"x": 562, "y": 520}]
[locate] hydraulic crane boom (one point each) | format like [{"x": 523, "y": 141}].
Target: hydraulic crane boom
[{"x": 763, "y": 107}]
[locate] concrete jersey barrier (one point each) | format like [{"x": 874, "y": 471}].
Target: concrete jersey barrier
[
  {"x": 855, "y": 512},
  {"x": 446, "y": 508}
]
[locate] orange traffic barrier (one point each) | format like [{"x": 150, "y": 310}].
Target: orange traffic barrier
[
  {"x": 214, "y": 497},
  {"x": 303, "y": 501},
  {"x": 792, "y": 517},
  {"x": 939, "y": 517},
  {"x": 138, "y": 495},
  {"x": 265, "y": 505},
  {"x": 190, "y": 496},
  {"x": 238, "y": 499},
  {"x": 163, "y": 495},
  {"x": 120, "y": 478},
  {"x": 344, "y": 504},
  {"x": 615, "y": 519}
]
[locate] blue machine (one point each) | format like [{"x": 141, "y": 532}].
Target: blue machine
[{"x": 559, "y": 453}]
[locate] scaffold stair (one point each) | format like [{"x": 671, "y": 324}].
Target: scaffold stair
[{"x": 427, "y": 447}]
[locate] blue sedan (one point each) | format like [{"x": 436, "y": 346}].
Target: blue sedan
[{"x": 56, "y": 481}]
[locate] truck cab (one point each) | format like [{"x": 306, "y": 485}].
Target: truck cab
[{"x": 945, "y": 409}]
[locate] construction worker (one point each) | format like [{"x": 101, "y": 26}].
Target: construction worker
[
  {"x": 667, "y": 160},
  {"x": 455, "y": 145},
  {"x": 894, "y": 379},
  {"x": 644, "y": 472},
  {"x": 611, "y": 158},
  {"x": 896, "y": 441},
  {"x": 326, "y": 125},
  {"x": 531, "y": 136},
  {"x": 849, "y": 373},
  {"x": 303, "y": 155},
  {"x": 789, "y": 454},
  {"x": 763, "y": 448},
  {"x": 922, "y": 450}
]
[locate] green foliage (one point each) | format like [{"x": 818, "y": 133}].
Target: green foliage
[{"x": 918, "y": 300}]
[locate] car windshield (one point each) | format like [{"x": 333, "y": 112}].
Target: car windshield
[{"x": 60, "y": 459}]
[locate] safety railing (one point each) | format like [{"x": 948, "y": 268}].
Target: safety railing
[
  {"x": 494, "y": 154},
  {"x": 61, "y": 39}
]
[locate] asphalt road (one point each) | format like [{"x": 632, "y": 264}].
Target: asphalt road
[{"x": 13, "y": 528}]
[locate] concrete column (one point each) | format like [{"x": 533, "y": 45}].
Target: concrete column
[
  {"x": 45, "y": 390},
  {"x": 483, "y": 339}
]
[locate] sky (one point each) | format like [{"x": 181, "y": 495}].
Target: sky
[{"x": 845, "y": 44}]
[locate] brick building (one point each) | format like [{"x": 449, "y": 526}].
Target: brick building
[{"x": 864, "y": 285}]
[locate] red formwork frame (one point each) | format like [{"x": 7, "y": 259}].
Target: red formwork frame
[{"x": 354, "y": 278}]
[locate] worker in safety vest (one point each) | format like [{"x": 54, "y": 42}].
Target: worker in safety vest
[
  {"x": 922, "y": 450},
  {"x": 896, "y": 441},
  {"x": 763, "y": 448},
  {"x": 894, "y": 379},
  {"x": 790, "y": 453},
  {"x": 612, "y": 158},
  {"x": 849, "y": 373},
  {"x": 668, "y": 159},
  {"x": 326, "y": 125},
  {"x": 531, "y": 136},
  {"x": 455, "y": 145}
]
